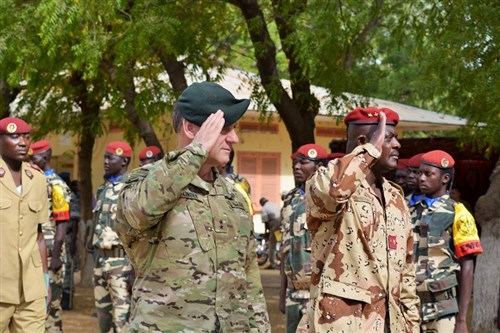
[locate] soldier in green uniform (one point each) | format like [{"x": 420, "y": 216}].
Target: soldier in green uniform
[
  {"x": 54, "y": 231},
  {"x": 446, "y": 242},
  {"x": 24, "y": 277},
  {"x": 363, "y": 276},
  {"x": 188, "y": 230},
  {"x": 113, "y": 274},
  {"x": 296, "y": 263}
]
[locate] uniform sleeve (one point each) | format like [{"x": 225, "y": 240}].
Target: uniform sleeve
[
  {"x": 149, "y": 193},
  {"x": 330, "y": 187},
  {"x": 259, "y": 318},
  {"x": 409, "y": 298},
  {"x": 465, "y": 235},
  {"x": 60, "y": 202}
]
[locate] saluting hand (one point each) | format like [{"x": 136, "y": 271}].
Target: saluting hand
[
  {"x": 210, "y": 130},
  {"x": 378, "y": 136}
]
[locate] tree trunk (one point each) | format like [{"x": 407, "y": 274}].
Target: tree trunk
[
  {"x": 90, "y": 104},
  {"x": 297, "y": 112},
  {"x": 486, "y": 299}
]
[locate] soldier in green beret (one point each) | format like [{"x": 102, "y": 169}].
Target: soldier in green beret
[{"x": 188, "y": 230}]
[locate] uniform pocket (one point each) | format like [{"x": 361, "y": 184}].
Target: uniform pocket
[
  {"x": 35, "y": 258},
  {"x": 341, "y": 302},
  {"x": 35, "y": 206},
  {"x": 4, "y": 204}
]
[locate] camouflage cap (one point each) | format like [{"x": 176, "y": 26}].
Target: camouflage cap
[{"x": 198, "y": 101}]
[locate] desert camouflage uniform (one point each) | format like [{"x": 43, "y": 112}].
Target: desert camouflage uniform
[
  {"x": 59, "y": 200},
  {"x": 297, "y": 258},
  {"x": 363, "y": 277},
  {"x": 192, "y": 246},
  {"x": 437, "y": 261},
  {"x": 113, "y": 271}
]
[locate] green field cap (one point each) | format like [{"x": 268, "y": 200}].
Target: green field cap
[{"x": 198, "y": 101}]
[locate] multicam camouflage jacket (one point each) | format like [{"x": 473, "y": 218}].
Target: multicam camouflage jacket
[
  {"x": 438, "y": 233},
  {"x": 296, "y": 241},
  {"x": 363, "y": 277},
  {"x": 105, "y": 236},
  {"x": 192, "y": 246},
  {"x": 59, "y": 195}
]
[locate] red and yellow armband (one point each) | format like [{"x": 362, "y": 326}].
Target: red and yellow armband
[
  {"x": 60, "y": 207},
  {"x": 465, "y": 234}
]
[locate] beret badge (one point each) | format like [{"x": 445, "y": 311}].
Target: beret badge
[
  {"x": 312, "y": 153},
  {"x": 119, "y": 151},
  {"x": 445, "y": 163},
  {"x": 149, "y": 154},
  {"x": 11, "y": 128}
]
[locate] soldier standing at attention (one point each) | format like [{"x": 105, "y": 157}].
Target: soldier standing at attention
[
  {"x": 415, "y": 195},
  {"x": 296, "y": 263},
  {"x": 54, "y": 231},
  {"x": 188, "y": 230},
  {"x": 113, "y": 274},
  {"x": 446, "y": 242},
  {"x": 24, "y": 277},
  {"x": 363, "y": 277},
  {"x": 149, "y": 155}
]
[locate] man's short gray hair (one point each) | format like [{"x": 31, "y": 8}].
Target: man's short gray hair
[{"x": 177, "y": 119}]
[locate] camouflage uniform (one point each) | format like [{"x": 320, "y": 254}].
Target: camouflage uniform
[
  {"x": 297, "y": 258},
  {"x": 437, "y": 232},
  {"x": 363, "y": 277},
  {"x": 59, "y": 200},
  {"x": 192, "y": 246},
  {"x": 113, "y": 271}
]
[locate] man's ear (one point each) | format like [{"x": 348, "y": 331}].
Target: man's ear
[
  {"x": 445, "y": 178},
  {"x": 189, "y": 128},
  {"x": 361, "y": 139}
]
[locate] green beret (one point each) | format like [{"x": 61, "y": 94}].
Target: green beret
[{"x": 198, "y": 101}]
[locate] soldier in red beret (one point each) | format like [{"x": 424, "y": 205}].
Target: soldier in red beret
[
  {"x": 55, "y": 230},
  {"x": 362, "y": 239},
  {"x": 412, "y": 180},
  {"x": 446, "y": 242},
  {"x": 113, "y": 274},
  {"x": 296, "y": 263},
  {"x": 149, "y": 155},
  {"x": 24, "y": 277}
]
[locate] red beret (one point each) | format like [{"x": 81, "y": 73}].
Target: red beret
[
  {"x": 39, "y": 147},
  {"x": 148, "y": 152},
  {"x": 403, "y": 163},
  {"x": 13, "y": 125},
  {"x": 310, "y": 151},
  {"x": 414, "y": 161},
  {"x": 335, "y": 155},
  {"x": 368, "y": 116},
  {"x": 439, "y": 159},
  {"x": 119, "y": 148}
]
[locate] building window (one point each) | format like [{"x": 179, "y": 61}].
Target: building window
[{"x": 262, "y": 170}]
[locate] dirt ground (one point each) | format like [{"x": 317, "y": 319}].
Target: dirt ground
[{"x": 80, "y": 320}]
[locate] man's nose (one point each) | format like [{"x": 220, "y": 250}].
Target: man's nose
[{"x": 232, "y": 137}]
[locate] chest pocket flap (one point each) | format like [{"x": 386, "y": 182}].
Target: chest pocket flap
[
  {"x": 4, "y": 204},
  {"x": 348, "y": 291}
]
